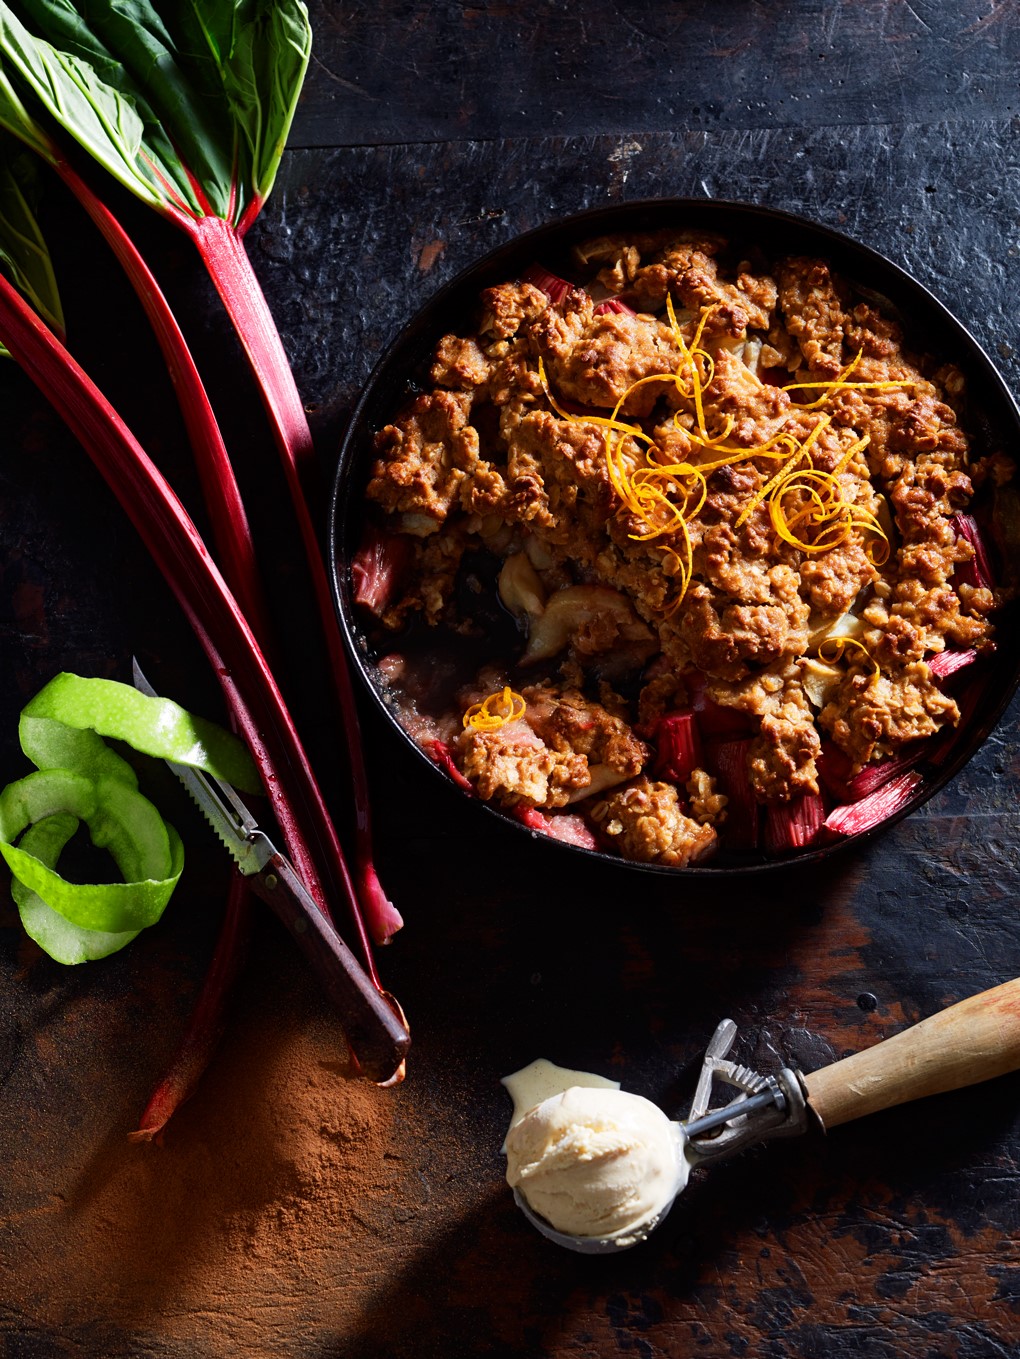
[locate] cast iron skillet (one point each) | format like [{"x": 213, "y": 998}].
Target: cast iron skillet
[{"x": 992, "y": 419}]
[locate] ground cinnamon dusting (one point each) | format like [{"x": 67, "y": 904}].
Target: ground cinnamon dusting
[{"x": 225, "y": 1235}]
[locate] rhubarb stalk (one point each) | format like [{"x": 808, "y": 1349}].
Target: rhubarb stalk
[
  {"x": 950, "y": 662},
  {"x": 795, "y": 824},
  {"x": 251, "y": 694},
  {"x": 191, "y": 112},
  {"x": 202, "y": 1035},
  {"x": 729, "y": 759},
  {"x": 977, "y": 570},
  {"x": 570, "y": 830},
  {"x": 554, "y": 287},
  {"x": 230, "y": 528},
  {"x": 230, "y": 269}
]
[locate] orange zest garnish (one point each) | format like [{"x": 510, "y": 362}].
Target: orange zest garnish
[
  {"x": 833, "y": 650},
  {"x": 807, "y": 506},
  {"x": 809, "y": 509},
  {"x": 495, "y": 711},
  {"x": 840, "y": 384},
  {"x": 800, "y": 451}
]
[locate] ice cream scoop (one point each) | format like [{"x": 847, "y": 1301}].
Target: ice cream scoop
[
  {"x": 597, "y": 1169},
  {"x": 599, "y": 1164}
]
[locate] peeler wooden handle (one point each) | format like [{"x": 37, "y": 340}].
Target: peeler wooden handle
[{"x": 970, "y": 1042}]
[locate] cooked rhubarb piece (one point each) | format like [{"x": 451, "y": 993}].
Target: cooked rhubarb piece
[
  {"x": 678, "y": 747},
  {"x": 612, "y": 304},
  {"x": 439, "y": 752},
  {"x": 793, "y": 825},
  {"x": 978, "y": 571},
  {"x": 835, "y": 770},
  {"x": 948, "y": 662},
  {"x": 715, "y": 721},
  {"x": 378, "y": 568},
  {"x": 875, "y": 776},
  {"x": 554, "y": 287},
  {"x": 728, "y": 760},
  {"x": 572, "y": 830},
  {"x": 877, "y": 807}
]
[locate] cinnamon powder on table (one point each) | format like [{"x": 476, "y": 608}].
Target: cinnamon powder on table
[{"x": 277, "y": 1177}]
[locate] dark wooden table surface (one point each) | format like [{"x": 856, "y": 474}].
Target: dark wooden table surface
[{"x": 427, "y": 135}]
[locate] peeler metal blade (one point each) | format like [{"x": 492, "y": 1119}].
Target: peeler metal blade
[{"x": 250, "y": 848}]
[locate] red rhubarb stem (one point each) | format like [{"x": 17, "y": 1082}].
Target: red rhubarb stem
[
  {"x": 554, "y": 287},
  {"x": 875, "y": 776},
  {"x": 230, "y": 269},
  {"x": 613, "y": 304},
  {"x": 794, "y": 824},
  {"x": 236, "y": 550},
  {"x": 440, "y": 752},
  {"x": 252, "y": 209},
  {"x": 569, "y": 830},
  {"x": 978, "y": 570},
  {"x": 231, "y": 530},
  {"x": 252, "y": 697},
  {"x": 205, "y": 1027},
  {"x": 730, "y": 761},
  {"x": 949, "y": 662}
]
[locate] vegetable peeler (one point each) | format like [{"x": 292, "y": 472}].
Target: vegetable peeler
[
  {"x": 972, "y": 1041},
  {"x": 378, "y": 1039}
]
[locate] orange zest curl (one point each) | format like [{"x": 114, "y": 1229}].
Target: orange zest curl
[
  {"x": 807, "y": 506},
  {"x": 800, "y": 451},
  {"x": 495, "y": 711},
  {"x": 833, "y": 650},
  {"x": 840, "y": 384}
]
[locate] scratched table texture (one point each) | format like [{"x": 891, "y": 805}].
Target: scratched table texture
[{"x": 427, "y": 135}]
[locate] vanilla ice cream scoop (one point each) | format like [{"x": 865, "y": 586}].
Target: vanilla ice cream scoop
[
  {"x": 596, "y": 1169},
  {"x": 596, "y": 1162}
]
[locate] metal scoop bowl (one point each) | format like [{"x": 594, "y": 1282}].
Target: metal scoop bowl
[{"x": 594, "y": 1245}]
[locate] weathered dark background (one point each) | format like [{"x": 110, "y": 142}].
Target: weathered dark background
[{"x": 427, "y": 135}]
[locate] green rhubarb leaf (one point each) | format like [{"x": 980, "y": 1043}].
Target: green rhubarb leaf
[
  {"x": 258, "y": 55},
  {"x": 107, "y": 123},
  {"x": 202, "y": 95},
  {"x": 15, "y": 117},
  {"x": 131, "y": 55},
  {"x": 22, "y": 248}
]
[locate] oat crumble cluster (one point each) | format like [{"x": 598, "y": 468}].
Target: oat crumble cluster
[{"x": 729, "y": 512}]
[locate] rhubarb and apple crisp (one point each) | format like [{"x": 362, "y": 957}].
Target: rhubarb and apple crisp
[{"x": 679, "y": 556}]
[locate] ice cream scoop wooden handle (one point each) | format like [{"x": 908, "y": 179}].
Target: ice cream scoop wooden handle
[{"x": 970, "y": 1042}]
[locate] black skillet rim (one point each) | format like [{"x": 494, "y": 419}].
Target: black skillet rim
[{"x": 748, "y": 223}]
